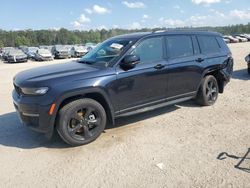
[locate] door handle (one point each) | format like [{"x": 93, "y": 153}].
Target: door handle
[
  {"x": 199, "y": 60},
  {"x": 159, "y": 66}
]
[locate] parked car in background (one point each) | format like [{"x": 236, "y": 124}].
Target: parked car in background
[
  {"x": 232, "y": 39},
  {"x": 23, "y": 48},
  {"x": 245, "y": 36},
  {"x": 90, "y": 46},
  {"x": 241, "y": 39},
  {"x": 60, "y": 52},
  {"x": 30, "y": 52},
  {"x": 1, "y": 53},
  {"x": 16, "y": 56},
  {"x": 48, "y": 47},
  {"x": 43, "y": 55},
  {"x": 5, "y": 52},
  {"x": 247, "y": 59},
  {"x": 124, "y": 75},
  {"x": 226, "y": 40},
  {"x": 78, "y": 51}
]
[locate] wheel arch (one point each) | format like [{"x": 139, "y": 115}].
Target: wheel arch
[
  {"x": 95, "y": 94},
  {"x": 219, "y": 76}
]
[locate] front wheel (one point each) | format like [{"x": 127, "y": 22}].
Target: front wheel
[
  {"x": 81, "y": 122},
  {"x": 208, "y": 91}
]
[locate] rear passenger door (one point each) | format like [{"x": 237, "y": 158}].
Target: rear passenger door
[
  {"x": 184, "y": 65},
  {"x": 212, "y": 51}
]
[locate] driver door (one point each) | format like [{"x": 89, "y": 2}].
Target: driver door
[{"x": 145, "y": 84}]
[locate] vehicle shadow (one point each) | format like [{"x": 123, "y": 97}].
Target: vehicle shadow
[
  {"x": 14, "y": 134},
  {"x": 241, "y": 75},
  {"x": 241, "y": 165}
]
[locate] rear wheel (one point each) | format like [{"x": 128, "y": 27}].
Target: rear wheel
[
  {"x": 81, "y": 122},
  {"x": 208, "y": 91}
]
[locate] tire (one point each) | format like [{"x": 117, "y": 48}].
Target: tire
[
  {"x": 208, "y": 91},
  {"x": 81, "y": 122},
  {"x": 248, "y": 68}
]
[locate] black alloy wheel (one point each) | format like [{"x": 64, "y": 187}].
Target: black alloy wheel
[{"x": 81, "y": 122}]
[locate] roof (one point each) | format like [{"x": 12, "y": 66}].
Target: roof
[{"x": 168, "y": 32}]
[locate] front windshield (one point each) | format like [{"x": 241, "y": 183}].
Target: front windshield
[
  {"x": 32, "y": 49},
  {"x": 16, "y": 52},
  {"x": 61, "y": 48},
  {"x": 43, "y": 51},
  {"x": 104, "y": 53}
]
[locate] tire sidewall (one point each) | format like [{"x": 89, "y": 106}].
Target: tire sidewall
[
  {"x": 65, "y": 116},
  {"x": 204, "y": 85}
]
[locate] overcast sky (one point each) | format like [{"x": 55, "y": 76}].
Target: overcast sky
[{"x": 130, "y": 14}]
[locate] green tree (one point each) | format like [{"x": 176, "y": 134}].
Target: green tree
[{"x": 1, "y": 44}]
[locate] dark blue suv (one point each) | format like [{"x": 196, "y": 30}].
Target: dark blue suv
[{"x": 122, "y": 76}]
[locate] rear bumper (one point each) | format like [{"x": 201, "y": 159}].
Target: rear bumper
[{"x": 32, "y": 114}]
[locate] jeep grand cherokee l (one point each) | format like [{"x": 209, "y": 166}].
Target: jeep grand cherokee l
[{"x": 122, "y": 76}]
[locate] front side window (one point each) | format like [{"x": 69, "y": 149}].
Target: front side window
[
  {"x": 149, "y": 50},
  {"x": 208, "y": 44},
  {"x": 179, "y": 46}
]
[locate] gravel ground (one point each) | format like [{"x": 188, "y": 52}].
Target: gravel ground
[{"x": 178, "y": 146}]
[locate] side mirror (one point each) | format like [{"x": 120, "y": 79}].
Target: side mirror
[{"x": 130, "y": 61}]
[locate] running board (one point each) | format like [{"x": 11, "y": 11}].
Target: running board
[{"x": 150, "y": 108}]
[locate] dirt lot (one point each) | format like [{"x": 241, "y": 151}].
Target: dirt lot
[{"x": 178, "y": 146}]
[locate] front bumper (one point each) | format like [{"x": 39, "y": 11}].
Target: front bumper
[
  {"x": 80, "y": 54},
  {"x": 44, "y": 58},
  {"x": 17, "y": 60},
  {"x": 32, "y": 114},
  {"x": 61, "y": 56}
]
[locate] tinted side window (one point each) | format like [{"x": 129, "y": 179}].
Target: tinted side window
[
  {"x": 179, "y": 46},
  {"x": 222, "y": 43},
  {"x": 149, "y": 50},
  {"x": 208, "y": 44}
]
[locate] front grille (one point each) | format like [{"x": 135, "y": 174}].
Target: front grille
[
  {"x": 18, "y": 90},
  {"x": 64, "y": 53}
]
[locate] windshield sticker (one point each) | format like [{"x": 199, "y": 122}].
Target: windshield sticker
[{"x": 117, "y": 46}]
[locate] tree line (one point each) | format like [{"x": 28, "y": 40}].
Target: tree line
[{"x": 64, "y": 36}]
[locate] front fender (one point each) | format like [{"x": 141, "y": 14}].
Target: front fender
[{"x": 81, "y": 93}]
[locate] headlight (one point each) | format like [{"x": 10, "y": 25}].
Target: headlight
[{"x": 35, "y": 91}]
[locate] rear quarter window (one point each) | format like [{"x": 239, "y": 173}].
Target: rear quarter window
[
  {"x": 222, "y": 44},
  {"x": 208, "y": 44}
]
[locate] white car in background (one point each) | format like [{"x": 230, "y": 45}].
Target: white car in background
[
  {"x": 241, "y": 39},
  {"x": 78, "y": 51},
  {"x": 226, "y": 40},
  {"x": 43, "y": 55},
  {"x": 231, "y": 38},
  {"x": 90, "y": 46}
]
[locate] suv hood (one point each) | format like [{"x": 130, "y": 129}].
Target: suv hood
[{"x": 53, "y": 72}]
